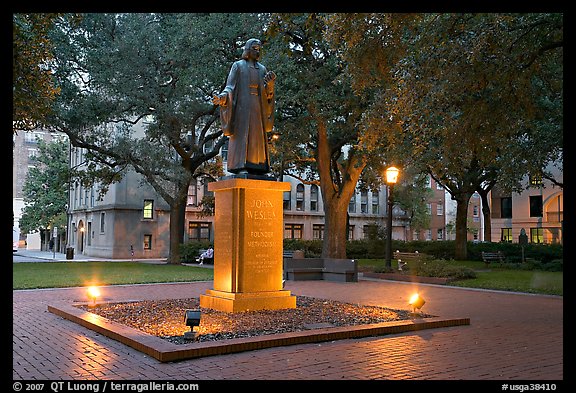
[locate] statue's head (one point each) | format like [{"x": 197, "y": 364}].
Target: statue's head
[{"x": 252, "y": 49}]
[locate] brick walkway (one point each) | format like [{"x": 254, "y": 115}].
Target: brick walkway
[{"x": 510, "y": 337}]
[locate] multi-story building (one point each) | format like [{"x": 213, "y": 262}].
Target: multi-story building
[
  {"x": 304, "y": 213},
  {"x": 25, "y": 151},
  {"x": 538, "y": 210},
  {"x": 132, "y": 220},
  {"x": 439, "y": 209}
]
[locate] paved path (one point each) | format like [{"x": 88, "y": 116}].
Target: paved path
[{"x": 511, "y": 337}]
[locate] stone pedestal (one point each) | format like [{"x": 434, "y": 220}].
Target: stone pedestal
[{"x": 248, "y": 246}]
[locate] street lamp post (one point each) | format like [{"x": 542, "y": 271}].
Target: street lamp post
[{"x": 391, "y": 179}]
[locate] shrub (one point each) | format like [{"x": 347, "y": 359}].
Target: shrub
[
  {"x": 440, "y": 268},
  {"x": 191, "y": 250}
]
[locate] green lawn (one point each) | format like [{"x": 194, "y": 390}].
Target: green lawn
[
  {"x": 72, "y": 274},
  {"x": 529, "y": 281},
  {"x": 495, "y": 277}
]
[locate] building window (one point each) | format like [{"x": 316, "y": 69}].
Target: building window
[
  {"x": 193, "y": 193},
  {"x": 375, "y": 202},
  {"x": 147, "y": 242},
  {"x": 293, "y": 231},
  {"x": 429, "y": 234},
  {"x": 314, "y": 198},
  {"x": 30, "y": 137},
  {"x": 350, "y": 232},
  {"x": 439, "y": 186},
  {"x": 370, "y": 231},
  {"x": 287, "y": 198},
  {"x": 208, "y": 146},
  {"x": 148, "y": 209},
  {"x": 364, "y": 201},
  {"x": 439, "y": 209},
  {"x": 475, "y": 210},
  {"x": 352, "y": 205},
  {"x": 89, "y": 234},
  {"x": 506, "y": 235},
  {"x": 536, "y": 180},
  {"x": 428, "y": 181},
  {"x": 429, "y": 209},
  {"x": 536, "y": 206},
  {"x": 102, "y": 220},
  {"x": 440, "y": 234},
  {"x": 32, "y": 155},
  {"x": 536, "y": 235},
  {"x": 506, "y": 207},
  {"x": 318, "y": 231},
  {"x": 207, "y": 193},
  {"x": 198, "y": 231},
  {"x": 300, "y": 197},
  {"x": 224, "y": 151}
]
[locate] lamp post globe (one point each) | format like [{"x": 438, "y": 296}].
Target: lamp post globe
[{"x": 391, "y": 179}]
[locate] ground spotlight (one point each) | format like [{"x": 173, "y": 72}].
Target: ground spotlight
[
  {"x": 192, "y": 319},
  {"x": 93, "y": 293},
  {"x": 416, "y": 301}
]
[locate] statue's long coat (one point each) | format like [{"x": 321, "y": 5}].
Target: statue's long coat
[{"x": 248, "y": 118}]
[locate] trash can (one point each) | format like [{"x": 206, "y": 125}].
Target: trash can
[{"x": 69, "y": 252}]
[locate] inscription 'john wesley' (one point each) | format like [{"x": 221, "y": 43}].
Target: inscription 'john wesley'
[
  {"x": 260, "y": 203},
  {"x": 258, "y": 214}
]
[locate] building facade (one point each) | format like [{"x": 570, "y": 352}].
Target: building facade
[
  {"x": 538, "y": 210},
  {"x": 25, "y": 150},
  {"x": 132, "y": 220}
]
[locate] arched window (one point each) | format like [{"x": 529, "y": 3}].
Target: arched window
[
  {"x": 314, "y": 198},
  {"x": 300, "y": 197},
  {"x": 287, "y": 198}
]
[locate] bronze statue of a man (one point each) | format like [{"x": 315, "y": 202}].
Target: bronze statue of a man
[{"x": 247, "y": 112}]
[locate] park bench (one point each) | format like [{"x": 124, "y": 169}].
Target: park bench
[
  {"x": 492, "y": 256},
  {"x": 208, "y": 261},
  {"x": 329, "y": 269},
  {"x": 404, "y": 257},
  {"x": 292, "y": 254}
]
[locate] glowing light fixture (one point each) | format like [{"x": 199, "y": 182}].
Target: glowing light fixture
[
  {"x": 93, "y": 293},
  {"x": 192, "y": 319},
  {"x": 416, "y": 301},
  {"x": 392, "y": 175}
]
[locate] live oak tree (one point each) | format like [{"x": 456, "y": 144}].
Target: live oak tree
[
  {"x": 324, "y": 136},
  {"x": 482, "y": 96},
  {"x": 45, "y": 190},
  {"x": 33, "y": 89},
  {"x": 478, "y": 96},
  {"x": 136, "y": 93}
]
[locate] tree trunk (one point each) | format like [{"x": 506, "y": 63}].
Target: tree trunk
[
  {"x": 486, "y": 215},
  {"x": 335, "y": 195},
  {"x": 177, "y": 223},
  {"x": 462, "y": 199},
  {"x": 335, "y": 224}
]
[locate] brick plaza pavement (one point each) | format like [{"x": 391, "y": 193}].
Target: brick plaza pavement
[{"x": 510, "y": 337}]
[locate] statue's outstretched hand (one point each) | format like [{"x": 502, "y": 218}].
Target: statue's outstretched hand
[
  {"x": 219, "y": 99},
  {"x": 269, "y": 77}
]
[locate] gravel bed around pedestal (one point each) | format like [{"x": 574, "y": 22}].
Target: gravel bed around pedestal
[{"x": 165, "y": 318}]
